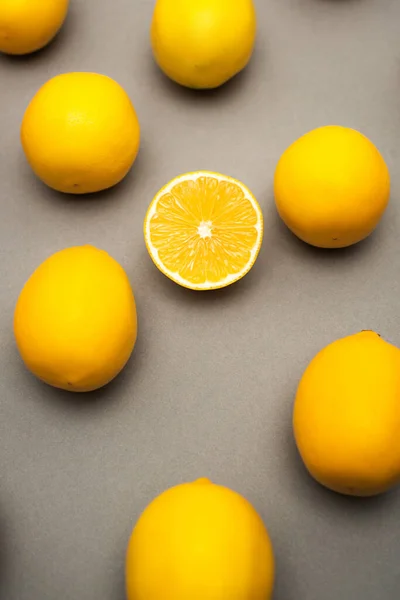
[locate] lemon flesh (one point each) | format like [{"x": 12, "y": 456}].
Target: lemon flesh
[
  {"x": 75, "y": 320},
  {"x": 80, "y": 133},
  {"x": 332, "y": 187},
  {"x": 27, "y": 26},
  {"x": 204, "y": 230},
  {"x": 346, "y": 415},
  {"x": 199, "y": 541},
  {"x": 203, "y": 43}
]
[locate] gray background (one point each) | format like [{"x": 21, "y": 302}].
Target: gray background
[{"x": 209, "y": 389}]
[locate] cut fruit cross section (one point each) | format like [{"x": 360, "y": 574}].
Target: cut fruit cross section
[{"x": 204, "y": 230}]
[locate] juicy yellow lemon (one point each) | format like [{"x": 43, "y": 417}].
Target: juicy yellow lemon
[
  {"x": 332, "y": 187},
  {"x": 75, "y": 320},
  {"x": 80, "y": 133},
  {"x": 204, "y": 230},
  {"x": 347, "y": 415},
  {"x": 199, "y": 541},
  {"x": 203, "y": 43},
  {"x": 27, "y": 26}
]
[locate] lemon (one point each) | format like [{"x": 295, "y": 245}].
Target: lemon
[
  {"x": 332, "y": 187},
  {"x": 27, "y": 26},
  {"x": 199, "y": 541},
  {"x": 75, "y": 320},
  {"x": 204, "y": 230},
  {"x": 80, "y": 133},
  {"x": 203, "y": 43},
  {"x": 347, "y": 415}
]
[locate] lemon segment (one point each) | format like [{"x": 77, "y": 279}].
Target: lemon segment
[{"x": 204, "y": 230}]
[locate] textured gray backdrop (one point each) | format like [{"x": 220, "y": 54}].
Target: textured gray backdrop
[{"x": 210, "y": 386}]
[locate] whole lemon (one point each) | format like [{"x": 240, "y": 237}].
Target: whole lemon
[
  {"x": 199, "y": 541},
  {"x": 80, "y": 133},
  {"x": 331, "y": 187},
  {"x": 27, "y": 26},
  {"x": 203, "y": 43},
  {"x": 75, "y": 320},
  {"x": 347, "y": 415}
]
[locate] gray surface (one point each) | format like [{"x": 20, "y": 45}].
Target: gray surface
[{"x": 210, "y": 387}]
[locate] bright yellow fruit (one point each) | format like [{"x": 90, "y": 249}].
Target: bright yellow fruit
[
  {"x": 29, "y": 25},
  {"x": 331, "y": 187},
  {"x": 203, "y": 43},
  {"x": 80, "y": 133},
  {"x": 347, "y": 415},
  {"x": 75, "y": 320},
  {"x": 199, "y": 541},
  {"x": 204, "y": 230}
]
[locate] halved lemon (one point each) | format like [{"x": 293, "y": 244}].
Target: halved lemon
[{"x": 204, "y": 230}]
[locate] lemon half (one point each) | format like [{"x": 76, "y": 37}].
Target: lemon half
[{"x": 204, "y": 230}]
